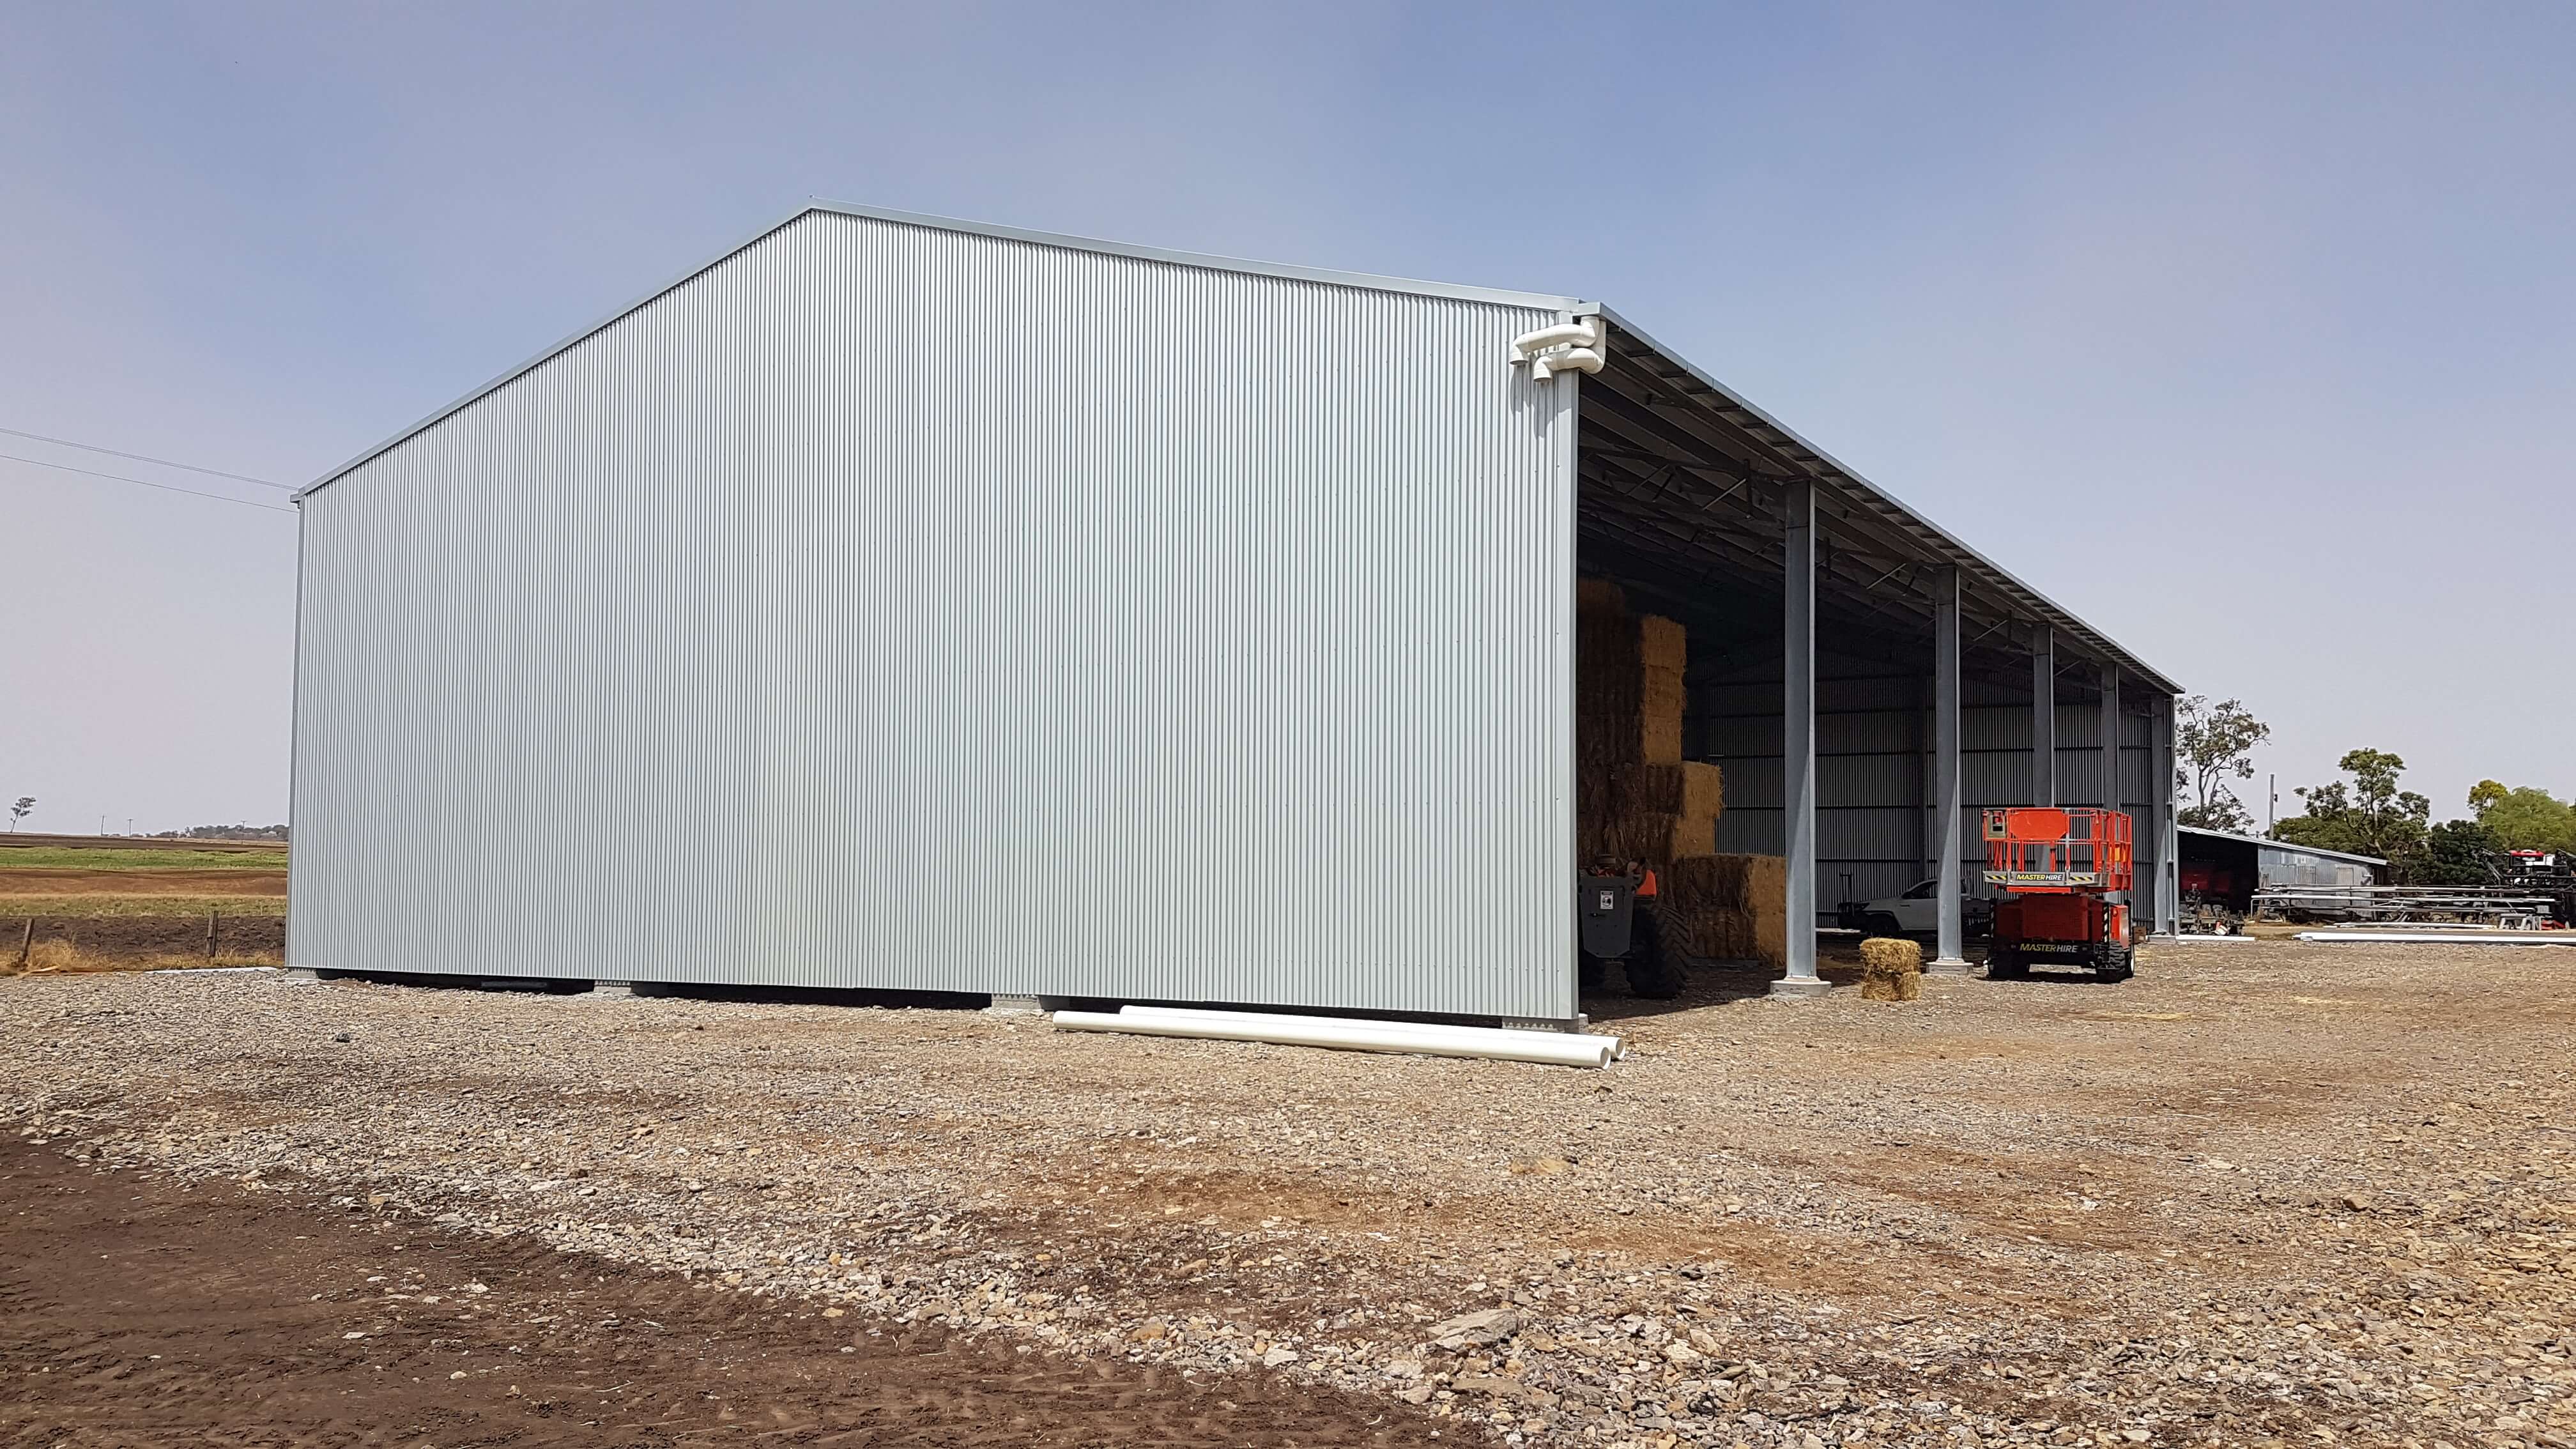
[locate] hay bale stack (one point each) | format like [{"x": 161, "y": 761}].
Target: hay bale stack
[
  {"x": 1730, "y": 907},
  {"x": 1635, "y": 797},
  {"x": 1891, "y": 970},
  {"x": 1690, "y": 788}
]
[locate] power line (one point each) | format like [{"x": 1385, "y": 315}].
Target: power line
[
  {"x": 145, "y": 458},
  {"x": 145, "y": 483}
]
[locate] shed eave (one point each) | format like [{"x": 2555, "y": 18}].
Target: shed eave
[
  {"x": 1849, "y": 485},
  {"x": 2270, "y": 844}
]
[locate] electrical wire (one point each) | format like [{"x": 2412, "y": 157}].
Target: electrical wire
[
  {"x": 146, "y": 483},
  {"x": 146, "y": 458}
]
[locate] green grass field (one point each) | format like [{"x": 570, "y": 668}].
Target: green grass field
[
  {"x": 112, "y": 859},
  {"x": 93, "y": 907}
]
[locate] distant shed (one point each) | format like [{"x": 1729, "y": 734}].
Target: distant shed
[{"x": 2226, "y": 869}]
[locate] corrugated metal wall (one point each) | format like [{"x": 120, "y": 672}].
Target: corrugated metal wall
[
  {"x": 1873, "y": 771},
  {"x": 2287, "y": 866},
  {"x": 895, "y": 607}
]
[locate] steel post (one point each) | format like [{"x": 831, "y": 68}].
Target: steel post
[
  {"x": 2167, "y": 911},
  {"x": 1798, "y": 734},
  {"x": 2043, "y": 718},
  {"x": 2110, "y": 736},
  {"x": 1946, "y": 800}
]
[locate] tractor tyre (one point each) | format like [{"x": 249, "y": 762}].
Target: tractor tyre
[
  {"x": 2005, "y": 963},
  {"x": 1652, "y": 972},
  {"x": 2116, "y": 964}
]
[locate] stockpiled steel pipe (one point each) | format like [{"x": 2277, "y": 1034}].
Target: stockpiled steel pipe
[{"x": 1562, "y": 1049}]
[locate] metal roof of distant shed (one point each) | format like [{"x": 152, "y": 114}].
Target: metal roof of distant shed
[
  {"x": 2270, "y": 844},
  {"x": 1835, "y": 481}
]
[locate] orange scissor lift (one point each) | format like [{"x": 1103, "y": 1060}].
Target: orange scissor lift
[{"x": 2062, "y": 868}]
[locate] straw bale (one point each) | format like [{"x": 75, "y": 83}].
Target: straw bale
[
  {"x": 1891, "y": 970},
  {"x": 1666, "y": 790},
  {"x": 1890, "y": 956},
  {"x": 1685, "y": 836},
  {"x": 1703, "y": 790},
  {"x": 1705, "y": 883},
  {"x": 1736, "y": 905},
  {"x": 1599, "y": 596},
  {"x": 1639, "y": 788},
  {"x": 1659, "y": 692},
  {"x": 1719, "y": 935},
  {"x": 1662, "y": 643},
  {"x": 1660, "y": 740},
  {"x": 1905, "y": 987}
]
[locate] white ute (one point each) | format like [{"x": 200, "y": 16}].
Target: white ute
[{"x": 1915, "y": 913}]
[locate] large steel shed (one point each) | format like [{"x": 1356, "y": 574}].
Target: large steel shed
[{"x": 898, "y": 602}]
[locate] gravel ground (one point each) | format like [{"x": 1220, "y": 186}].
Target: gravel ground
[{"x": 2263, "y": 1193}]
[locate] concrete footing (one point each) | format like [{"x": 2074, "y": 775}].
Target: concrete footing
[
  {"x": 1949, "y": 966},
  {"x": 612, "y": 988},
  {"x": 1012, "y": 1003},
  {"x": 300, "y": 975},
  {"x": 1576, "y": 1024},
  {"x": 1793, "y": 988}
]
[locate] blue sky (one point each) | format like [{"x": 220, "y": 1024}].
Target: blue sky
[{"x": 2248, "y": 332}]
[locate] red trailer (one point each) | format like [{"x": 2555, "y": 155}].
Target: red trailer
[{"x": 2062, "y": 868}]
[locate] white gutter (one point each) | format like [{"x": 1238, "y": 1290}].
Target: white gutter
[{"x": 1546, "y": 1048}]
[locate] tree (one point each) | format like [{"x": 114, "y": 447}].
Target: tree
[
  {"x": 2456, "y": 853},
  {"x": 2214, "y": 743},
  {"x": 2368, "y": 816},
  {"x": 18, "y": 811},
  {"x": 2524, "y": 818}
]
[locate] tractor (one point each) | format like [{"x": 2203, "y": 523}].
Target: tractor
[
  {"x": 2067, "y": 873},
  {"x": 1615, "y": 911}
]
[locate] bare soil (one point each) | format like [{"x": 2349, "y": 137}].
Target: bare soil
[
  {"x": 103, "y": 942},
  {"x": 2265, "y": 1193},
  {"x": 139, "y": 1311},
  {"x": 59, "y": 880}
]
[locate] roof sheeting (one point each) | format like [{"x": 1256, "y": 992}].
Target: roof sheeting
[{"x": 2270, "y": 844}]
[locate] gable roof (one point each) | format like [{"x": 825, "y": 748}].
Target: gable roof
[{"x": 1909, "y": 528}]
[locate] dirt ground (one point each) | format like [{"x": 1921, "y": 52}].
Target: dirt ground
[
  {"x": 135, "y": 1310},
  {"x": 88, "y": 942},
  {"x": 2265, "y": 1193},
  {"x": 58, "y": 880}
]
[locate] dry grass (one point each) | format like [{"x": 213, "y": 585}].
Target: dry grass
[
  {"x": 92, "y": 905},
  {"x": 62, "y": 958},
  {"x": 129, "y": 858}
]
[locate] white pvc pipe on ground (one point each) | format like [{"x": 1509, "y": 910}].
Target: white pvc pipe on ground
[
  {"x": 1473, "y": 1034},
  {"x": 2447, "y": 938},
  {"x": 1543, "y": 1048}
]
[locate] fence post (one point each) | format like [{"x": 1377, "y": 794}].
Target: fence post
[{"x": 210, "y": 936}]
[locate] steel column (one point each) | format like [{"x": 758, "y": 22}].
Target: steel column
[
  {"x": 2110, "y": 736},
  {"x": 1798, "y": 733},
  {"x": 2160, "y": 794},
  {"x": 1946, "y": 801},
  {"x": 1565, "y": 434},
  {"x": 2043, "y": 717}
]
